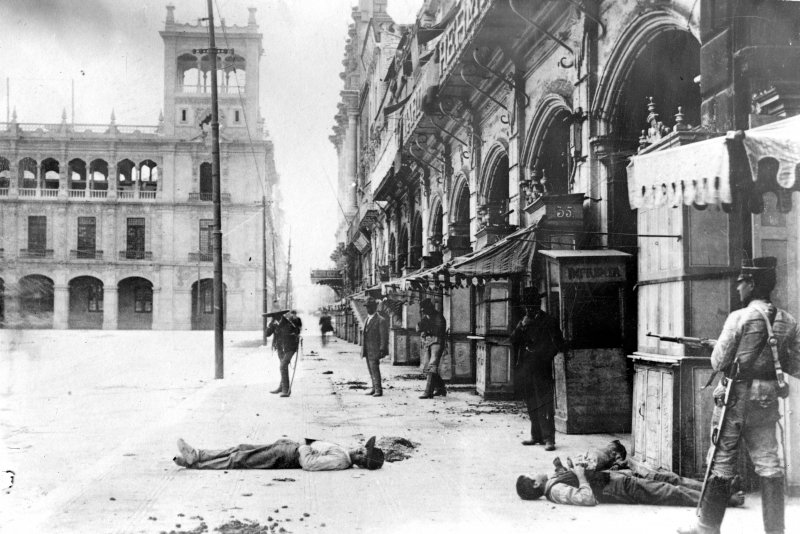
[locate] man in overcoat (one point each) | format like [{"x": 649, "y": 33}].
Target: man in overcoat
[
  {"x": 375, "y": 345},
  {"x": 536, "y": 340}
]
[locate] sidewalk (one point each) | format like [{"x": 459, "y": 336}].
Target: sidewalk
[{"x": 90, "y": 420}]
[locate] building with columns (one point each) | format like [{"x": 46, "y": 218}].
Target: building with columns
[
  {"x": 109, "y": 225},
  {"x": 492, "y": 154}
]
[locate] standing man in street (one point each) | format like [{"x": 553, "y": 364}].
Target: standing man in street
[
  {"x": 433, "y": 330},
  {"x": 536, "y": 340},
  {"x": 757, "y": 344},
  {"x": 375, "y": 345},
  {"x": 287, "y": 338}
]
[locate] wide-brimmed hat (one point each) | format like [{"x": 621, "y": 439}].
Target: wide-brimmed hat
[
  {"x": 761, "y": 271},
  {"x": 426, "y": 304},
  {"x": 275, "y": 314},
  {"x": 374, "y": 456}
]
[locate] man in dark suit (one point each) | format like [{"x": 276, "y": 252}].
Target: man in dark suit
[
  {"x": 536, "y": 341},
  {"x": 375, "y": 345}
]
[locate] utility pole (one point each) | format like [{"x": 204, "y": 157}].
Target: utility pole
[
  {"x": 288, "y": 272},
  {"x": 264, "y": 304},
  {"x": 212, "y": 51}
]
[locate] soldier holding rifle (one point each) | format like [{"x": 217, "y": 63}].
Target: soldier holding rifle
[{"x": 757, "y": 344}]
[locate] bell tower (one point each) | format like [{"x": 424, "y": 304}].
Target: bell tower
[{"x": 187, "y": 78}]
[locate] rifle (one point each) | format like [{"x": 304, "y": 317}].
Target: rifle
[
  {"x": 716, "y": 428},
  {"x": 685, "y": 340}
]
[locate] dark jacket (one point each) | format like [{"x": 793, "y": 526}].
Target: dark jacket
[
  {"x": 537, "y": 343},
  {"x": 287, "y": 334},
  {"x": 433, "y": 327},
  {"x": 375, "y": 343}
]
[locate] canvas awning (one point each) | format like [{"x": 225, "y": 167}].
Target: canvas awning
[
  {"x": 509, "y": 256},
  {"x": 699, "y": 174}
]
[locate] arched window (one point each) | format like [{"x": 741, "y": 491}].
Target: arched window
[
  {"x": 415, "y": 258},
  {"x": 49, "y": 172},
  {"x": 402, "y": 249},
  {"x": 27, "y": 173},
  {"x": 188, "y": 75},
  {"x": 148, "y": 174},
  {"x": 98, "y": 170},
  {"x": 5, "y": 173},
  {"x": 494, "y": 212},
  {"x": 76, "y": 174},
  {"x": 126, "y": 175}
]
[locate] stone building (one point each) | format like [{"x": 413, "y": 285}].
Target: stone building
[
  {"x": 489, "y": 153},
  {"x": 109, "y": 226}
]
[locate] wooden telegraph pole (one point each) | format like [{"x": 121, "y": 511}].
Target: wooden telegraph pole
[{"x": 212, "y": 51}]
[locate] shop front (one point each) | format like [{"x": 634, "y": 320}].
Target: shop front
[{"x": 710, "y": 202}]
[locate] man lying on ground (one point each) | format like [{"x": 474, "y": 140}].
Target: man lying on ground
[
  {"x": 604, "y": 476},
  {"x": 283, "y": 454}
]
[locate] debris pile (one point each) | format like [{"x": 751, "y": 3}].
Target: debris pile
[{"x": 395, "y": 448}]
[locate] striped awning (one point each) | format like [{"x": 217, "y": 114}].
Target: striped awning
[{"x": 507, "y": 257}]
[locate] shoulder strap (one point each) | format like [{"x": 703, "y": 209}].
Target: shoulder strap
[{"x": 772, "y": 341}]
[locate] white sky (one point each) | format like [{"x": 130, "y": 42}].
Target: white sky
[{"x": 112, "y": 51}]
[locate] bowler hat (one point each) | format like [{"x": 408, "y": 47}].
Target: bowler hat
[
  {"x": 374, "y": 455},
  {"x": 761, "y": 271},
  {"x": 531, "y": 296},
  {"x": 426, "y": 304}
]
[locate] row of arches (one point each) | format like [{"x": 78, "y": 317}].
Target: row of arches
[
  {"x": 79, "y": 174},
  {"x": 194, "y": 73},
  {"x": 31, "y": 303}
]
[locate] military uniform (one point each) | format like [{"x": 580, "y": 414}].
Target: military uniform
[
  {"x": 433, "y": 329},
  {"x": 744, "y": 353}
]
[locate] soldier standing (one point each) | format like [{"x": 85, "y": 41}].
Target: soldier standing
[
  {"x": 757, "y": 343},
  {"x": 536, "y": 341},
  {"x": 433, "y": 330}
]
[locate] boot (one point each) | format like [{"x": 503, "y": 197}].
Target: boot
[
  {"x": 277, "y": 389},
  {"x": 285, "y": 391},
  {"x": 439, "y": 387},
  {"x": 428, "y": 388},
  {"x": 712, "y": 508},
  {"x": 772, "y": 506}
]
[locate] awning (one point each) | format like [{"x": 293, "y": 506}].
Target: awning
[
  {"x": 699, "y": 174},
  {"x": 509, "y": 256},
  {"x": 691, "y": 174},
  {"x": 433, "y": 278}
]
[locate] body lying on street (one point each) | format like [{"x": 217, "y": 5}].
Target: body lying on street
[
  {"x": 604, "y": 476},
  {"x": 315, "y": 455}
]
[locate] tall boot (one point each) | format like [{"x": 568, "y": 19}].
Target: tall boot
[
  {"x": 712, "y": 508},
  {"x": 772, "y": 507},
  {"x": 439, "y": 387},
  {"x": 277, "y": 389},
  {"x": 428, "y": 387},
  {"x": 285, "y": 392}
]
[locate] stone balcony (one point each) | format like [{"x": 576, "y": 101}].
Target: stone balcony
[
  {"x": 85, "y": 254},
  {"x": 33, "y": 254},
  {"x": 136, "y": 255}
]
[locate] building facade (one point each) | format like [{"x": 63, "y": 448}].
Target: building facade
[
  {"x": 490, "y": 153},
  {"x": 109, "y": 226}
]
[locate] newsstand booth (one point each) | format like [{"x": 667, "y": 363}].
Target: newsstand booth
[
  {"x": 585, "y": 291},
  {"x": 708, "y": 200}
]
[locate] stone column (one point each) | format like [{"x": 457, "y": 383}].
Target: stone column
[
  {"x": 110, "y": 307},
  {"x": 61, "y": 307},
  {"x": 619, "y": 220}
]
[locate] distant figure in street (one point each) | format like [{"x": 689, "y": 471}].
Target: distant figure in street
[
  {"x": 282, "y": 454},
  {"x": 433, "y": 330},
  {"x": 536, "y": 340},
  {"x": 287, "y": 338},
  {"x": 764, "y": 342},
  {"x": 375, "y": 345},
  {"x": 603, "y": 476},
  {"x": 325, "y": 326}
]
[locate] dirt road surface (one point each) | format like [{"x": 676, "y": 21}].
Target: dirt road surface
[{"x": 89, "y": 421}]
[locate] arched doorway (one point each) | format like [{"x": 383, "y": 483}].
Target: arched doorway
[
  {"x": 203, "y": 304},
  {"x": 402, "y": 249},
  {"x": 415, "y": 258},
  {"x": 549, "y": 164},
  {"x": 458, "y": 238},
  {"x": 494, "y": 211},
  {"x": 135, "y": 304},
  {"x": 85, "y": 303},
  {"x": 435, "y": 234},
  {"x": 36, "y": 301}
]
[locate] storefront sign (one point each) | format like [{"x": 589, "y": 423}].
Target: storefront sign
[
  {"x": 592, "y": 273},
  {"x": 459, "y": 32},
  {"x": 361, "y": 242}
]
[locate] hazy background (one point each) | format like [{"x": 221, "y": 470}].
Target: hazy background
[{"x": 112, "y": 51}]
